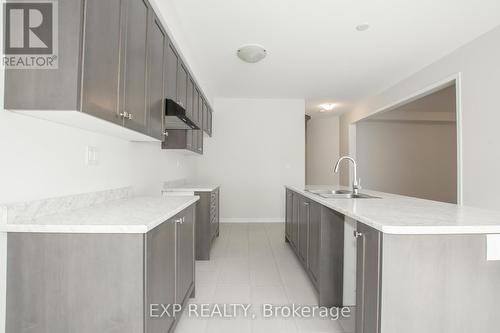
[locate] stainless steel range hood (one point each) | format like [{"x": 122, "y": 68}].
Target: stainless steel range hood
[{"x": 176, "y": 118}]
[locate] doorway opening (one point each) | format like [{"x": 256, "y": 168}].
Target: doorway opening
[{"x": 412, "y": 149}]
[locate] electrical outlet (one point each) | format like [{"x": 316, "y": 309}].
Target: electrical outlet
[{"x": 92, "y": 156}]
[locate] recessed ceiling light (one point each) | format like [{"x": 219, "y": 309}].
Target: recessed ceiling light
[
  {"x": 363, "y": 27},
  {"x": 251, "y": 53},
  {"x": 327, "y": 107}
]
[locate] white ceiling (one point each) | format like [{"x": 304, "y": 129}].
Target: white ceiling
[{"x": 314, "y": 50}]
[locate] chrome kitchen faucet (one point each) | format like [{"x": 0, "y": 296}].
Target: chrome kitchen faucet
[{"x": 355, "y": 181}]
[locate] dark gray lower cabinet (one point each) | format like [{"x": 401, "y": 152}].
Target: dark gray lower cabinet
[
  {"x": 303, "y": 229},
  {"x": 214, "y": 213},
  {"x": 160, "y": 285},
  {"x": 408, "y": 283},
  {"x": 185, "y": 245},
  {"x": 107, "y": 283},
  {"x": 289, "y": 214},
  {"x": 314, "y": 241},
  {"x": 207, "y": 222},
  {"x": 368, "y": 274},
  {"x": 294, "y": 227},
  {"x": 316, "y": 234},
  {"x": 331, "y": 258}
]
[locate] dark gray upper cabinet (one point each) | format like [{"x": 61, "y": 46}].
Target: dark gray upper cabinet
[
  {"x": 182, "y": 83},
  {"x": 189, "y": 99},
  {"x": 191, "y": 140},
  {"x": 171, "y": 82},
  {"x": 157, "y": 43},
  {"x": 197, "y": 141},
  {"x": 209, "y": 121},
  {"x": 207, "y": 118},
  {"x": 196, "y": 103},
  {"x": 135, "y": 61},
  {"x": 116, "y": 63},
  {"x": 59, "y": 89},
  {"x": 200, "y": 141},
  {"x": 102, "y": 53}
]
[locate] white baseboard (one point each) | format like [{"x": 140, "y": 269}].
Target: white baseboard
[{"x": 253, "y": 220}]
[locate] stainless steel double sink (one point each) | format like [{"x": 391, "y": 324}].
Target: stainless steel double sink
[{"x": 339, "y": 194}]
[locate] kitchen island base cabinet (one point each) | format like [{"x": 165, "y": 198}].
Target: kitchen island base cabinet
[
  {"x": 368, "y": 264},
  {"x": 316, "y": 235},
  {"x": 425, "y": 283},
  {"x": 107, "y": 283},
  {"x": 288, "y": 215}
]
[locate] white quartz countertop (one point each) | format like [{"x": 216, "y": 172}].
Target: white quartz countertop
[
  {"x": 396, "y": 214},
  {"x": 126, "y": 215},
  {"x": 191, "y": 188}
]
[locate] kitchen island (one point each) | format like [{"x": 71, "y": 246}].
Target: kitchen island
[
  {"x": 421, "y": 266},
  {"x": 99, "y": 262}
]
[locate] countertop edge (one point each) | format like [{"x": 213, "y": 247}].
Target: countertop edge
[
  {"x": 96, "y": 228},
  {"x": 191, "y": 189},
  {"x": 401, "y": 230}
]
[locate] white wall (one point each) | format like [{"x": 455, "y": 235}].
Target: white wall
[
  {"x": 258, "y": 147},
  {"x": 322, "y": 150},
  {"x": 412, "y": 150},
  {"x": 417, "y": 159},
  {"x": 479, "y": 65},
  {"x": 43, "y": 159}
]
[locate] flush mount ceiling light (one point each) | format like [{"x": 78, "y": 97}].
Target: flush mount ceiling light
[
  {"x": 251, "y": 53},
  {"x": 327, "y": 107},
  {"x": 363, "y": 27}
]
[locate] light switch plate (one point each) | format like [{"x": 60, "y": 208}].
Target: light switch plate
[
  {"x": 92, "y": 157},
  {"x": 493, "y": 247}
]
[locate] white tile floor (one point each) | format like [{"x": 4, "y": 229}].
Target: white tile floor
[{"x": 251, "y": 263}]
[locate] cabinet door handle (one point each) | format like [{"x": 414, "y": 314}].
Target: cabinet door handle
[
  {"x": 165, "y": 133},
  {"x": 180, "y": 221},
  {"x": 130, "y": 116},
  {"x": 124, "y": 114},
  {"x": 357, "y": 234}
]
